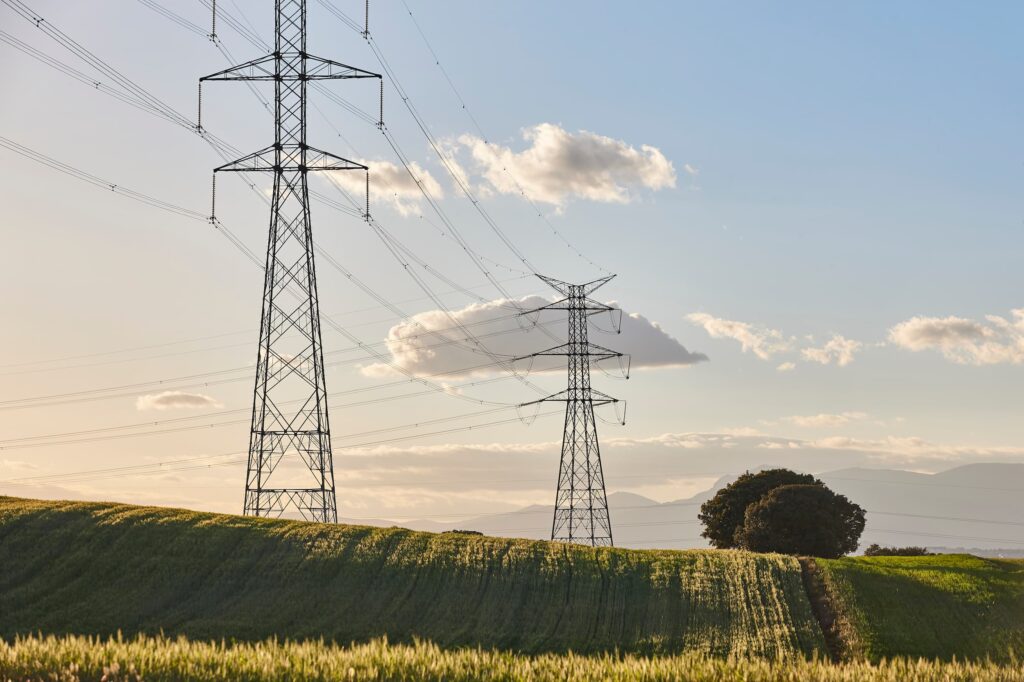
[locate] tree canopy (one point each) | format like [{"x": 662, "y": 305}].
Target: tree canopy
[
  {"x": 724, "y": 514},
  {"x": 802, "y": 519}
]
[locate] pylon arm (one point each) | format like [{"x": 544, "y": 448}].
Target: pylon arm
[
  {"x": 563, "y": 287},
  {"x": 292, "y": 158},
  {"x": 267, "y": 69},
  {"x": 591, "y": 306},
  {"x": 563, "y": 397},
  {"x": 594, "y": 351},
  {"x": 319, "y": 69}
]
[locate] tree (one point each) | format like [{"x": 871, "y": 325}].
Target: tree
[
  {"x": 723, "y": 514},
  {"x": 802, "y": 519}
]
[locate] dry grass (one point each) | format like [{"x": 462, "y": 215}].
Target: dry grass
[{"x": 159, "y": 659}]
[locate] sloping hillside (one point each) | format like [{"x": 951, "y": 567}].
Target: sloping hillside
[
  {"x": 93, "y": 568},
  {"x": 934, "y": 606}
]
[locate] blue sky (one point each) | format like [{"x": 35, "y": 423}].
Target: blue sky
[{"x": 838, "y": 170}]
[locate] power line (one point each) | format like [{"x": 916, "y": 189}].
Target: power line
[
  {"x": 352, "y": 446},
  {"x": 222, "y": 149},
  {"x": 394, "y": 247},
  {"x": 484, "y": 137}
]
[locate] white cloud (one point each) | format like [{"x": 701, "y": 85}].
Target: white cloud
[
  {"x": 786, "y": 367},
  {"x": 817, "y": 421},
  {"x": 912, "y": 448},
  {"x": 762, "y": 342},
  {"x": 171, "y": 400},
  {"x": 965, "y": 341},
  {"x": 391, "y": 184},
  {"x": 558, "y": 166},
  {"x": 839, "y": 350},
  {"x": 420, "y": 344}
]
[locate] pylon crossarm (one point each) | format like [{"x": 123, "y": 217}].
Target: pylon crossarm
[
  {"x": 318, "y": 69},
  {"x": 553, "y": 398},
  {"x": 259, "y": 69},
  {"x": 591, "y": 287},
  {"x": 594, "y": 351},
  {"x": 291, "y": 159},
  {"x": 602, "y": 398},
  {"x": 263, "y": 160},
  {"x": 602, "y": 353},
  {"x": 556, "y": 284},
  {"x": 562, "y": 304},
  {"x": 594, "y": 308},
  {"x": 325, "y": 161},
  {"x": 266, "y": 69},
  {"x": 590, "y": 306}
]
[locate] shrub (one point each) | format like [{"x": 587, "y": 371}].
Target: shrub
[{"x": 878, "y": 550}]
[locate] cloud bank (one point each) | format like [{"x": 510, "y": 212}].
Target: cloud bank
[
  {"x": 420, "y": 344},
  {"x": 965, "y": 341},
  {"x": 558, "y": 166}
]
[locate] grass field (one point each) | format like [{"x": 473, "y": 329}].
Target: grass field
[
  {"x": 92, "y": 568},
  {"x": 933, "y": 606},
  {"x": 156, "y": 660}
]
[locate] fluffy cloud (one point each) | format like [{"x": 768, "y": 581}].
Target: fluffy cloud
[
  {"x": 818, "y": 421},
  {"x": 965, "y": 341},
  {"x": 391, "y": 184},
  {"x": 839, "y": 350},
  {"x": 766, "y": 343},
  {"x": 762, "y": 342},
  {"x": 420, "y": 344},
  {"x": 173, "y": 400},
  {"x": 559, "y": 165}
]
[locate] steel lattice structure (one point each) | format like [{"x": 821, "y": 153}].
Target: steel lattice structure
[
  {"x": 290, "y": 462},
  {"x": 581, "y": 504}
]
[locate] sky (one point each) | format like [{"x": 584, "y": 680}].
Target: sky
[{"x": 813, "y": 212}]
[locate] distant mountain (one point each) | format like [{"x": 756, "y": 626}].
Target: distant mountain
[{"x": 976, "y": 505}]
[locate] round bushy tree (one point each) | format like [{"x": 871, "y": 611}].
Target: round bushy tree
[
  {"x": 802, "y": 519},
  {"x": 723, "y": 514}
]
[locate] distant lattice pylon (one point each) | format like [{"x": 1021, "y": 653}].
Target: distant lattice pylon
[{"x": 581, "y": 503}]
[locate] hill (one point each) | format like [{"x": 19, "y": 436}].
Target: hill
[
  {"x": 94, "y": 568},
  {"x": 933, "y": 606}
]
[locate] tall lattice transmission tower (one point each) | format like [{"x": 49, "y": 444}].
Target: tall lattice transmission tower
[
  {"x": 290, "y": 462},
  {"x": 581, "y": 504}
]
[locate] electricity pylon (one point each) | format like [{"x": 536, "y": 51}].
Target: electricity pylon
[
  {"x": 581, "y": 504},
  {"x": 290, "y": 432}
]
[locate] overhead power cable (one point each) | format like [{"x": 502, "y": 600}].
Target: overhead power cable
[
  {"x": 484, "y": 137},
  {"x": 394, "y": 247},
  {"x": 352, "y": 446},
  {"x": 221, "y": 148}
]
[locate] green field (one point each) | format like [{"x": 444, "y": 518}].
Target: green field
[
  {"x": 157, "y": 660},
  {"x": 932, "y": 606},
  {"x": 71, "y": 568},
  {"x": 91, "y": 568}
]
